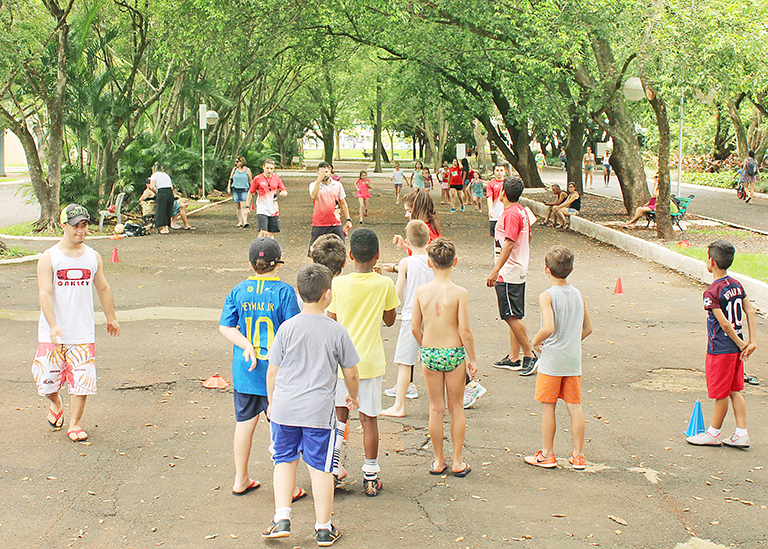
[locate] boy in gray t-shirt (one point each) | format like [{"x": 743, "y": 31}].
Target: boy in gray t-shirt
[
  {"x": 301, "y": 382},
  {"x": 565, "y": 322}
]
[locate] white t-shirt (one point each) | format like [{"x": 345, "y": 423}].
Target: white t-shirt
[
  {"x": 162, "y": 180},
  {"x": 72, "y": 295},
  {"x": 397, "y": 175},
  {"x": 418, "y": 273}
]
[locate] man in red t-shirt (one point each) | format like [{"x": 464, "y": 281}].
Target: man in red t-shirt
[
  {"x": 266, "y": 186},
  {"x": 457, "y": 185},
  {"x": 495, "y": 207},
  {"x": 513, "y": 231},
  {"x": 325, "y": 193}
]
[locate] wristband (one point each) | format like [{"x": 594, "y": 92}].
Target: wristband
[{"x": 348, "y": 219}]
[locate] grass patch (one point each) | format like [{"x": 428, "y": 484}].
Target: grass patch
[
  {"x": 27, "y": 229},
  {"x": 750, "y": 264},
  {"x": 15, "y": 252}
]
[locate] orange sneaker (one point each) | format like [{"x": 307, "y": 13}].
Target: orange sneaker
[
  {"x": 577, "y": 461},
  {"x": 539, "y": 460}
]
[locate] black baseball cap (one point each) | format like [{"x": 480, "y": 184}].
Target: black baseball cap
[
  {"x": 74, "y": 214},
  {"x": 265, "y": 248}
]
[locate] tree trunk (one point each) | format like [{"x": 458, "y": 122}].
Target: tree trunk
[
  {"x": 328, "y": 133},
  {"x": 337, "y": 139},
  {"x": 723, "y": 145},
  {"x": 664, "y": 228},
  {"x": 480, "y": 141},
  {"x": 377, "y": 130},
  {"x": 738, "y": 126}
]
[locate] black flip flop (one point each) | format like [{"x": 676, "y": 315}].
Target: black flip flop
[
  {"x": 752, "y": 380},
  {"x": 433, "y": 471},
  {"x": 464, "y": 472},
  {"x": 253, "y": 486}
]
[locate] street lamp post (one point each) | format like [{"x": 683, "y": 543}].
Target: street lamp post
[{"x": 205, "y": 117}]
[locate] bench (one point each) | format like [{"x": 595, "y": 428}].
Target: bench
[
  {"x": 367, "y": 155},
  {"x": 682, "y": 208},
  {"x": 118, "y": 212}
]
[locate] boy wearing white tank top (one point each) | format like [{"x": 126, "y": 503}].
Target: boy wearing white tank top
[
  {"x": 565, "y": 322},
  {"x": 412, "y": 272},
  {"x": 66, "y": 276}
]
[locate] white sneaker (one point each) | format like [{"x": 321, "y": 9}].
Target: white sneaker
[
  {"x": 737, "y": 442},
  {"x": 411, "y": 393},
  {"x": 704, "y": 439},
  {"x": 471, "y": 394}
]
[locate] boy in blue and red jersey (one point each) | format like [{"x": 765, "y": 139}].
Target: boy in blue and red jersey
[
  {"x": 726, "y": 304},
  {"x": 252, "y": 313}
]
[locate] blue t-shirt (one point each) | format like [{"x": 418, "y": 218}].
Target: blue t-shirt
[
  {"x": 257, "y": 307},
  {"x": 727, "y": 294}
]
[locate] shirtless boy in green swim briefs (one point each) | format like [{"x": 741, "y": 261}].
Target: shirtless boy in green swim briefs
[{"x": 446, "y": 340}]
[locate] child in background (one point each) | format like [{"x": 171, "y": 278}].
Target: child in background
[
  {"x": 329, "y": 250},
  {"x": 363, "y": 194},
  {"x": 726, "y": 304},
  {"x": 565, "y": 322},
  {"x": 259, "y": 301},
  {"x": 443, "y": 176},
  {"x": 417, "y": 177},
  {"x": 397, "y": 179},
  {"x": 427, "y": 179},
  {"x": 301, "y": 381},
  {"x": 412, "y": 272},
  {"x": 361, "y": 300},
  {"x": 477, "y": 191},
  {"x": 446, "y": 341}
]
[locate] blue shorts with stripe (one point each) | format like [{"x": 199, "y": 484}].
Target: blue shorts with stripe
[{"x": 314, "y": 445}]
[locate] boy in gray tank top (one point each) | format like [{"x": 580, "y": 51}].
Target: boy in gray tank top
[{"x": 565, "y": 322}]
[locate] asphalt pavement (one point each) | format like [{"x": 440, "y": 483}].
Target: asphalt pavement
[{"x": 157, "y": 469}]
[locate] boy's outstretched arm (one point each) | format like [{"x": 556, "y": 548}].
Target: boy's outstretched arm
[
  {"x": 749, "y": 310},
  {"x": 547, "y": 321},
  {"x": 352, "y": 379},
  {"x": 402, "y": 273},
  {"x": 271, "y": 375},
  {"x": 586, "y": 327},
  {"x": 234, "y": 336},
  {"x": 465, "y": 333},
  {"x": 416, "y": 319},
  {"x": 389, "y": 317},
  {"x": 729, "y": 329}
]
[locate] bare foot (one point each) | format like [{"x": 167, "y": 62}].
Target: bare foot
[{"x": 393, "y": 412}]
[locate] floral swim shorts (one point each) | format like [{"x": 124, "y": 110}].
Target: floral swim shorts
[
  {"x": 56, "y": 365},
  {"x": 441, "y": 359}
]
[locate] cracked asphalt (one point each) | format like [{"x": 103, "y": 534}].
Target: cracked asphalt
[{"x": 157, "y": 469}]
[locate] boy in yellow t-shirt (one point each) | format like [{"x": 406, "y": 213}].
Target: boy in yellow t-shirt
[{"x": 361, "y": 300}]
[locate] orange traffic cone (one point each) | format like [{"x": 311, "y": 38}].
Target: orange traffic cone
[
  {"x": 215, "y": 382},
  {"x": 114, "y": 256},
  {"x": 619, "y": 289},
  {"x": 346, "y": 432}
]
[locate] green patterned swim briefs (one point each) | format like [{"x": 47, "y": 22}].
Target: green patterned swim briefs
[{"x": 441, "y": 359}]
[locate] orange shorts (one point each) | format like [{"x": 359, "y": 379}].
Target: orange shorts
[{"x": 551, "y": 388}]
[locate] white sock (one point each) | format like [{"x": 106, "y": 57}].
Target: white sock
[
  {"x": 371, "y": 468},
  {"x": 281, "y": 513},
  {"x": 741, "y": 432},
  {"x": 340, "y": 428},
  {"x": 326, "y": 526},
  {"x": 714, "y": 432}
]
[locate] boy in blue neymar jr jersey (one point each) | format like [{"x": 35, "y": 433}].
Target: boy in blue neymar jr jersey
[
  {"x": 727, "y": 306},
  {"x": 252, "y": 313}
]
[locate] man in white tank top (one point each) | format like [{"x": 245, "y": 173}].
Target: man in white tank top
[{"x": 66, "y": 275}]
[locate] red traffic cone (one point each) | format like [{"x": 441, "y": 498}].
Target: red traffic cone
[
  {"x": 215, "y": 382},
  {"x": 114, "y": 256},
  {"x": 619, "y": 289}
]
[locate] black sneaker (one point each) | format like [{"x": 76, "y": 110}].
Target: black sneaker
[
  {"x": 507, "y": 364},
  {"x": 279, "y": 529},
  {"x": 325, "y": 537},
  {"x": 529, "y": 365}
]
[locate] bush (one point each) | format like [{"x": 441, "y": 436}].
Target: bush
[{"x": 724, "y": 179}]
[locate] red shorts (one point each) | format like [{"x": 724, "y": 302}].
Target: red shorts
[
  {"x": 725, "y": 374},
  {"x": 551, "y": 388}
]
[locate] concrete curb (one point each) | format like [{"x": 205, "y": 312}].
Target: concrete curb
[{"x": 756, "y": 289}]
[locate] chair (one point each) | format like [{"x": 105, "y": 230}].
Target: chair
[
  {"x": 296, "y": 161},
  {"x": 682, "y": 208},
  {"x": 118, "y": 212}
]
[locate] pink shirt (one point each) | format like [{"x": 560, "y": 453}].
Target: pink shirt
[
  {"x": 324, "y": 206},
  {"x": 265, "y": 191},
  {"x": 495, "y": 187},
  {"x": 513, "y": 225}
]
